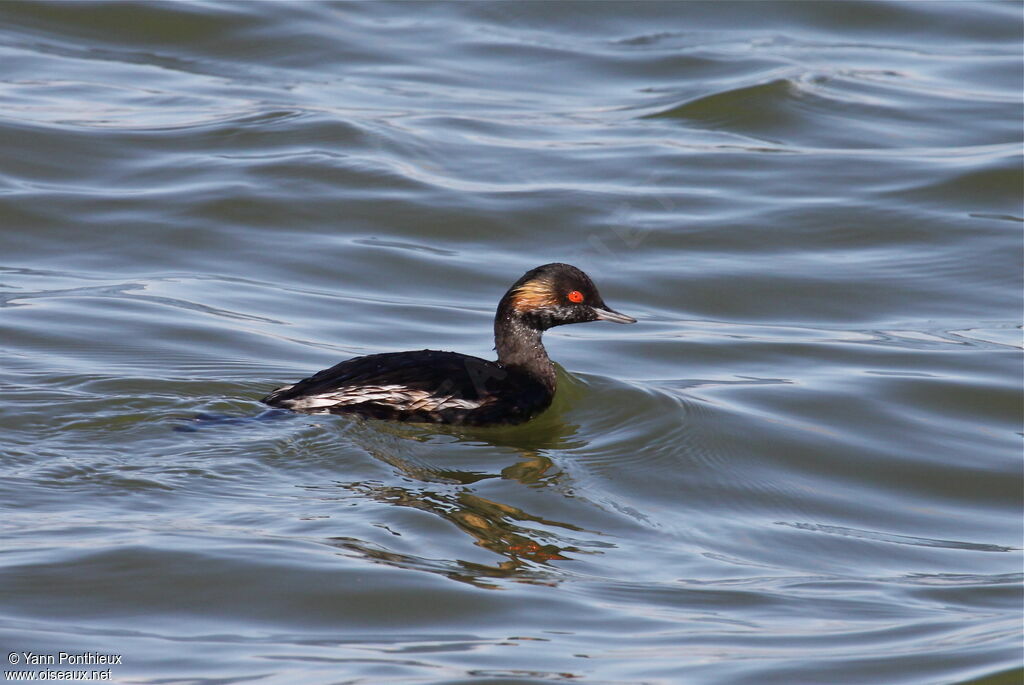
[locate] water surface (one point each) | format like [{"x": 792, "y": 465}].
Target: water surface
[{"x": 801, "y": 466}]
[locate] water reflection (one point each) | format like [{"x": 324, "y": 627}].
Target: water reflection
[{"x": 523, "y": 539}]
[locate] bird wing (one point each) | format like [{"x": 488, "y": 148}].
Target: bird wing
[{"x": 423, "y": 381}]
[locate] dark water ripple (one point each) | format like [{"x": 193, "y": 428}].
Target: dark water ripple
[{"x": 802, "y": 466}]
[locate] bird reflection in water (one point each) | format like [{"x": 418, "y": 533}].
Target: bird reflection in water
[{"x": 493, "y": 525}]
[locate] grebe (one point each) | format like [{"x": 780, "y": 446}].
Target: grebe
[{"x": 447, "y": 387}]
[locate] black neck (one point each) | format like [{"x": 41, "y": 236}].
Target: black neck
[{"x": 519, "y": 346}]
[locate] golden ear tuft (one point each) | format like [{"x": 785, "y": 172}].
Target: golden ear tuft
[{"x": 534, "y": 295}]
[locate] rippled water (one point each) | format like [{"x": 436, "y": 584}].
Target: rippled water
[{"x": 801, "y": 466}]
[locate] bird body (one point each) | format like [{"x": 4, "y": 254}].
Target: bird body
[{"x": 431, "y": 386}]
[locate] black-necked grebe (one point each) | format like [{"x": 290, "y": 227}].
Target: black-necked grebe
[{"x": 447, "y": 387}]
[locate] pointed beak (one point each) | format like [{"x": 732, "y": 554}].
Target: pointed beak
[{"x": 605, "y": 314}]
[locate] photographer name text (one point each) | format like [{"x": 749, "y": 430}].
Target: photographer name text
[{"x": 64, "y": 659}]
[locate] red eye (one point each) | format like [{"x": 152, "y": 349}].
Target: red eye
[{"x": 575, "y": 296}]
